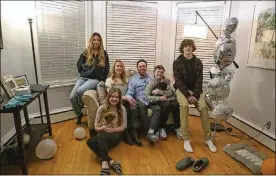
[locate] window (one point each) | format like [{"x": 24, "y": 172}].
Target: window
[
  {"x": 61, "y": 39},
  {"x": 212, "y": 13},
  {"x": 131, "y": 32}
]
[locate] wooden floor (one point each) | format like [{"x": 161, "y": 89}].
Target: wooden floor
[{"x": 74, "y": 157}]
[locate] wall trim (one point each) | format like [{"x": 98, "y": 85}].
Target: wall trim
[
  {"x": 266, "y": 137},
  {"x": 10, "y": 134},
  {"x": 254, "y": 126},
  {"x": 57, "y": 115}
]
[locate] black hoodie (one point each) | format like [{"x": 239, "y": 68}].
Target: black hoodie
[{"x": 94, "y": 71}]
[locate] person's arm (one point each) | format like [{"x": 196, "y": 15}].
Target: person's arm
[
  {"x": 98, "y": 116},
  {"x": 178, "y": 76},
  {"x": 169, "y": 91},
  {"x": 80, "y": 62},
  {"x": 108, "y": 84},
  {"x": 130, "y": 88},
  {"x": 107, "y": 65},
  {"x": 151, "y": 98},
  {"x": 124, "y": 124},
  {"x": 199, "y": 81}
]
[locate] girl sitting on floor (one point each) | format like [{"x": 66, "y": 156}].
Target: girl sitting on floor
[{"x": 108, "y": 137}]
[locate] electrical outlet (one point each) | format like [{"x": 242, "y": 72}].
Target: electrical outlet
[{"x": 268, "y": 124}]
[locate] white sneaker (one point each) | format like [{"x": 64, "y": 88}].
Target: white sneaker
[
  {"x": 178, "y": 133},
  {"x": 162, "y": 133},
  {"x": 157, "y": 134}
]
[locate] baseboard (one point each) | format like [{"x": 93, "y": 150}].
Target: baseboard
[
  {"x": 54, "y": 111},
  {"x": 57, "y": 115},
  {"x": 266, "y": 138},
  {"x": 11, "y": 133}
]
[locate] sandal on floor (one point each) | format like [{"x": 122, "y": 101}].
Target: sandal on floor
[
  {"x": 116, "y": 167},
  {"x": 200, "y": 164},
  {"x": 105, "y": 171},
  {"x": 184, "y": 163}
]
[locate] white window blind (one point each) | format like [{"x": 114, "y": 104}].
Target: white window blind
[
  {"x": 213, "y": 15},
  {"x": 61, "y": 39},
  {"x": 131, "y": 32}
]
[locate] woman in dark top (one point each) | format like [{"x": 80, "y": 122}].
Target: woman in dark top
[{"x": 93, "y": 66}]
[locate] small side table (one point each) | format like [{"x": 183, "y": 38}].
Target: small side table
[{"x": 36, "y": 131}]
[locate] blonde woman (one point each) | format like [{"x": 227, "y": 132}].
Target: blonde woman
[
  {"x": 118, "y": 80},
  {"x": 93, "y": 67},
  {"x": 109, "y": 135},
  {"x": 118, "y": 77}
]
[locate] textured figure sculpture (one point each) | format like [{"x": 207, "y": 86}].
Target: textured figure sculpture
[{"x": 218, "y": 88}]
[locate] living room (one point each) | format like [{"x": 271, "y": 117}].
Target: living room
[{"x": 59, "y": 39}]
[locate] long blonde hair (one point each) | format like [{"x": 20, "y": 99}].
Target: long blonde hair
[
  {"x": 118, "y": 107},
  {"x": 89, "y": 51},
  {"x": 123, "y": 75}
]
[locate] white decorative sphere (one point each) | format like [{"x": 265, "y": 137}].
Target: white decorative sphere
[
  {"x": 79, "y": 133},
  {"x": 46, "y": 149}
]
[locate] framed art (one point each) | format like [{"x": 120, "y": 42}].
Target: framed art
[
  {"x": 9, "y": 85},
  {"x": 262, "y": 44},
  {"x": 21, "y": 80}
]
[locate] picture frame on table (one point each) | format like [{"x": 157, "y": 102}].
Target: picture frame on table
[
  {"x": 21, "y": 81},
  {"x": 262, "y": 44},
  {"x": 9, "y": 85}
]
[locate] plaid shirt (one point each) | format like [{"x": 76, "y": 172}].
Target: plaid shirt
[{"x": 188, "y": 75}]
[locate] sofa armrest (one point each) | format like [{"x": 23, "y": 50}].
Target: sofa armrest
[
  {"x": 90, "y": 99},
  {"x": 92, "y": 94}
]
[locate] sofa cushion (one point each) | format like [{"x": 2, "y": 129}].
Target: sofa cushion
[{"x": 101, "y": 92}]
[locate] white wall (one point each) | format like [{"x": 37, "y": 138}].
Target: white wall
[
  {"x": 17, "y": 59},
  {"x": 252, "y": 89}
]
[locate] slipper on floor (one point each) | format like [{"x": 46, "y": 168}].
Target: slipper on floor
[
  {"x": 184, "y": 163},
  {"x": 200, "y": 164}
]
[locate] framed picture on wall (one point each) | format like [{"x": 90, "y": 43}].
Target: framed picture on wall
[
  {"x": 262, "y": 44},
  {"x": 21, "y": 80}
]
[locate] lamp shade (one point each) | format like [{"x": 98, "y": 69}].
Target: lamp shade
[{"x": 195, "y": 31}]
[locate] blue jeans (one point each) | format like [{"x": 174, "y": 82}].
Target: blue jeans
[{"x": 82, "y": 85}]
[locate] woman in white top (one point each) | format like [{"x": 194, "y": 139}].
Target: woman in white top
[
  {"x": 109, "y": 134},
  {"x": 118, "y": 80}
]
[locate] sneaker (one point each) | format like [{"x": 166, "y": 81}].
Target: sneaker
[
  {"x": 178, "y": 133},
  {"x": 152, "y": 138},
  {"x": 162, "y": 133},
  {"x": 157, "y": 134}
]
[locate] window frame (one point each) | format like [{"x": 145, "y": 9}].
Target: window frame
[{"x": 88, "y": 13}]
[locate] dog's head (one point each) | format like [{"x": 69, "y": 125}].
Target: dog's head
[
  {"x": 109, "y": 116},
  {"x": 161, "y": 86}
]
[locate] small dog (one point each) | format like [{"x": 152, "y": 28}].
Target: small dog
[
  {"x": 107, "y": 119},
  {"x": 162, "y": 86}
]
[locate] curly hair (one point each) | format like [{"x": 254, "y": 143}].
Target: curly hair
[
  {"x": 187, "y": 42},
  {"x": 123, "y": 75},
  {"x": 89, "y": 51},
  {"x": 118, "y": 107}
]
